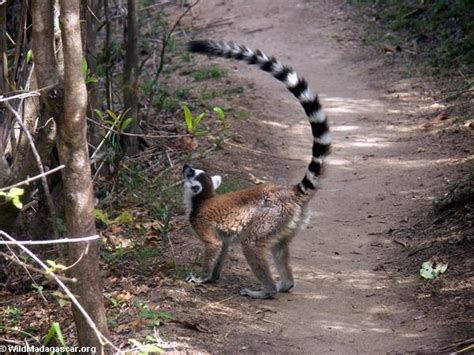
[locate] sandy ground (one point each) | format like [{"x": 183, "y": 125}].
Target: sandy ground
[{"x": 344, "y": 300}]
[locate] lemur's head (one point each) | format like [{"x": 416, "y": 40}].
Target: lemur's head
[{"x": 198, "y": 182}]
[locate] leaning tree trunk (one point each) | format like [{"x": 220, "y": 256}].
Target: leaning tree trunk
[{"x": 73, "y": 152}]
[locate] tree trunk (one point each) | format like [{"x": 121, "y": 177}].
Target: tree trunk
[
  {"x": 78, "y": 193},
  {"x": 130, "y": 77},
  {"x": 47, "y": 75}
]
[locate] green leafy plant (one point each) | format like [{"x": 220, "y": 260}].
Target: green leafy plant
[
  {"x": 14, "y": 313},
  {"x": 90, "y": 79},
  {"x": 154, "y": 317},
  {"x": 103, "y": 217},
  {"x": 53, "y": 266},
  {"x": 118, "y": 122},
  {"x": 208, "y": 73},
  {"x": 192, "y": 123},
  {"x": 13, "y": 195},
  {"x": 55, "y": 332},
  {"x": 221, "y": 114}
]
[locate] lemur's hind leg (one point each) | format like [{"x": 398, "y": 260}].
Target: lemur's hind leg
[
  {"x": 256, "y": 258},
  {"x": 281, "y": 255}
]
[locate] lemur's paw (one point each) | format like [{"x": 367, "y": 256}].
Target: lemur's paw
[{"x": 195, "y": 279}]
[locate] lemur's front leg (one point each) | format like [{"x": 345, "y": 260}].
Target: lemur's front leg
[{"x": 215, "y": 251}]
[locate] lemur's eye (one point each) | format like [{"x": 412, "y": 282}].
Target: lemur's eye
[{"x": 195, "y": 188}]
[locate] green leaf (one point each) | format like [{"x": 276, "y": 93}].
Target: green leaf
[
  {"x": 220, "y": 112},
  {"x": 165, "y": 315},
  {"x": 99, "y": 114},
  {"x": 199, "y": 132},
  {"x": 188, "y": 118},
  {"x": 15, "y": 191},
  {"x": 29, "y": 56},
  {"x": 125, "y": 217},
  {"x": 91, "y": 79},
  {"x": 102, "y": 216},
  {"x": 113, "y": 115},
  {"x": 198, "y": 119},
  {"x": 126, "y": 123},
  {"x": 17, "y": 203},
  {"x": 85, "y": 67},
  {"x": 54, "y": 265},
  {"x": 55, "y": 329}
]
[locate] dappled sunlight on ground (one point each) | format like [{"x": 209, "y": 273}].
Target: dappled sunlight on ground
[{"x": 350, "y": 105}]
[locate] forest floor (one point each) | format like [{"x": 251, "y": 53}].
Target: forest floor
[{"x": 356, "y": 265}]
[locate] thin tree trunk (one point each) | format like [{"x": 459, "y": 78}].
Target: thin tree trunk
[
  {"x": 130, "y": 77},
  {"x": 73, "y": 152},
  {"x": 4, "y": 166},
  {"x": 108, "y": 66}
]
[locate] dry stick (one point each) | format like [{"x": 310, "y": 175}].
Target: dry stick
[
  {"x": 28, "y": 180},
  {"x": 102, "y": 338},
  {"x": 162, "y": 56},
  {"x": 49, "y": 200},
  {"x": 56, "y": 241},
  {"x": 212, "y": 304},
  {"x": 32, "y": 268}
]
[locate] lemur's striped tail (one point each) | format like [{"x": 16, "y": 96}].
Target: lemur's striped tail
[{"x": 298, "y": 87}]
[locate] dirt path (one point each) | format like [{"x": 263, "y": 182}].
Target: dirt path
[{"x": 343, "y": 301}]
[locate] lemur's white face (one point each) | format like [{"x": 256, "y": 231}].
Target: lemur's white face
[{"x": 196, "y": 180}]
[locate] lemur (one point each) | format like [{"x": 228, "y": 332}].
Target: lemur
[{"x": 264, "y": 217}]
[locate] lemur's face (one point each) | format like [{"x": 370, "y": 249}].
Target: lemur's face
[{"x": 197, "y": 181}]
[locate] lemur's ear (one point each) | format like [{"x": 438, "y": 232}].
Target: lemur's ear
[{"x": 216, "y": 181}]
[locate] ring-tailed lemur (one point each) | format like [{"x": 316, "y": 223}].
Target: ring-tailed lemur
[{"x": 262, "y": 217}]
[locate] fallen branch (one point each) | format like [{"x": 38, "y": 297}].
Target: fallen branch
[{"x": 28, "y": 180}]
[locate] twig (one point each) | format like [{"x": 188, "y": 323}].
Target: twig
[
  {"x": 25, "y": 94},
  {"x": 44, "y": 242},
  {"x": 28, "y": 180},
  {"x": 44, "y": 182},
  {"x": 212, "y": 304},
  {"x": 102, "y": 338},
  {"x": 32, "y": 268}
]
